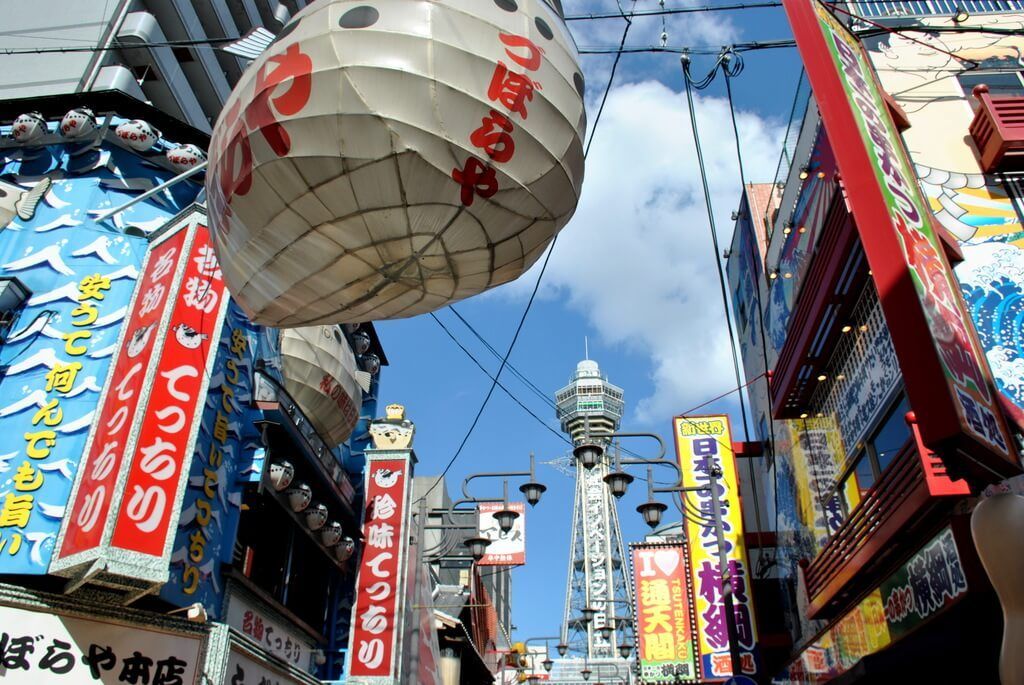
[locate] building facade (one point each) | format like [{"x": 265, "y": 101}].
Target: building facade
[
  {"x": 874, "y": 555},
  {"x": 185, "y": 494}
]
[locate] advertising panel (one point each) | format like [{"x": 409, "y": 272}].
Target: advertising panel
[
  {"x": 506, "y": 549},
  {"x": 246, "y": 670},
  {"x": 949, "y": 382},
  {"x": 665, "y": 630},
  {"x": 221, "y": 460},
  {"x": 374, "y": 636},
  {"x": 164, "y": 441},
  {"x": 119, "y": 411},
  {"x": 50, "y": 648},
  {"x": 271, "y": 634},
  {"x": 697, "y": 439}
]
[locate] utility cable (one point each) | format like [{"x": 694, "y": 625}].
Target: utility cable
[
  {"x": 674, "y": 10},
  {"x": 536, "y": 285}
]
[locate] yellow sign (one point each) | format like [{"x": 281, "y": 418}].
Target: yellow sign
[{"x": 703, "y": 442}]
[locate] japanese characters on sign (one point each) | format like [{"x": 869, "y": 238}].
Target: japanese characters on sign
[
  {"x": 224, "y": 449},
  {"x": 270, "y": 634},
  {"x": 244, "y": 670},
  {"x": 929, "y": 582},
  {"x": 373, "y": 640},
  {"x": 513, "y": 90},
  {"x": 506, "y": 549},
  {"x": 48, "y": 648},
  {"x": 87, "y": 514},
  {"x": 697, "y": 439},
  {"x": 666, "y": 644},
  {"x": 950, "y": 376},
  {"x": 143, "y": 522}
]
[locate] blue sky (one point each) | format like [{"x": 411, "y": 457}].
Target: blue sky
[{"x": 632, "y": 271}]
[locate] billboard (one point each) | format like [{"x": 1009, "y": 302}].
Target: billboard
[
  {"x": 949, "y": 381},
  {"x": 664, "y": 628},
  {"x": 223, "y": 457},
  {"x": 58, "y": 351},
  {"x": 374, "y": 638},
  {"x": 697, "y": 439},
  {"x": 506, "y": 549},
  {"x": 138, "y": 456}
]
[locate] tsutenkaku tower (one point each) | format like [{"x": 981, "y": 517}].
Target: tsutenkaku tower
[{"x": 597, "y": 562}]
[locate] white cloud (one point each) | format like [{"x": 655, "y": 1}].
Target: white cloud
[{"x": 636, "y": 259}]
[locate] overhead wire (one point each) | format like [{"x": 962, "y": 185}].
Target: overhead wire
[
  {"x": 536, "y": 285},
  {"x": 667, "y": 11}
]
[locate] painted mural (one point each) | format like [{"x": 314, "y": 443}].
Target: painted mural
[
  {"x": 56, "y": 356},
  {"x": 977, "y": 209},
  {"x": 222, "y": 462}
]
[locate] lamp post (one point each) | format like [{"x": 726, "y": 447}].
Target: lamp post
[{"x": 651, "y": 510}]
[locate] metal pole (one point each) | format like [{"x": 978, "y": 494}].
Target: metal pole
[
  {"x": 723, "y": 566},
  {"x": 152, "y": 191}
]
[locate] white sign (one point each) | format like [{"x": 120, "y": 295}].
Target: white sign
[
  {"x": 506, "y": 549},
  {"x": 244, "y": 670},
  {"x": 38, "y": 648},
  {"x": 271, "y": 635}
]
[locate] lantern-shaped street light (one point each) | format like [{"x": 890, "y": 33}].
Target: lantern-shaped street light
[
  {"x": 618, "y": 482},
  {"x": 608, "y": 628},
  {"x": 624, "y": 649},
  {"x": 547, "y": 664},
  {"x": 588, "y": 453},
  {"x": 506, "y": 518},
  {"x": 585, "y": 673},
  {"x": 477, "y": 547},
  {"x": 588, "y": 614},
  {"x": 562, "y": 648}
]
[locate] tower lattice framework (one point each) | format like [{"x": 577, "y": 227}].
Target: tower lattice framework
[{"x": 597, "y": 576}]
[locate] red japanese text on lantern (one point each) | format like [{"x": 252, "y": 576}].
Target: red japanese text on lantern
[{"x": 512, "y": 90}]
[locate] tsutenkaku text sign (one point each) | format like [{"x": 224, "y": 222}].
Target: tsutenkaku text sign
[
  {"x": 949, "y": 382},
  {"x": 700, "y": 440},
  {"x": 664, "y": 625}
]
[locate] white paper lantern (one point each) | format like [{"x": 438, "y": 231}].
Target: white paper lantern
[
  {"x": 345, "y": 549},
  {"x": 321, "y": 375},
  {"x": 316, "y": 516},
  {"x": 139, "y": 135},
  {"x": 184, "y": 157},
  {"x": 78, "y": 123},
  {"x": 384, "y": 158},
  {"x": 29, "y": 127},
  {"x": 331, "y": 534},
  {"x": 299, "y": 497},
  {"x": 280, "y": 475}
]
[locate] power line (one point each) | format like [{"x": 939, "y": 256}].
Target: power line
[
  {"x": 747, "y": 46},
  {"x": 670, "y": 11}
]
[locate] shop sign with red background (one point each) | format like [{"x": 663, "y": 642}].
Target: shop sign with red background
[
  {"x": 139, "y": 452},
  {"x": 946, "y": 376},
  {"x": 374, "y": 640}
]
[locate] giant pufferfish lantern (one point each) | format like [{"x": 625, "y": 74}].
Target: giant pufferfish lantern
[{"x": 384, "y": 158}]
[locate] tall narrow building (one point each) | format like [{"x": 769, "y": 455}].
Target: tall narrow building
[{"x": 589, "y": 404}]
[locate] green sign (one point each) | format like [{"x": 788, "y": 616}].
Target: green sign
[{"x": 930, "y": 581}]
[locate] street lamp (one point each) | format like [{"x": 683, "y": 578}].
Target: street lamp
[
  {"x": 586, "y": 673},
  {"x": 618, "y": 482},
  {"x": 588, "y": 614},
  {"x": 562, "y": 648},
  {"x": 506, "y": 518},
  {"x": 624, "y": 650},
  {"x": 588, "y": 453},
  {"x": 547, "y": 664},
  {"x": 477, "y": 547},
  {"x": 608, "y": 628}
]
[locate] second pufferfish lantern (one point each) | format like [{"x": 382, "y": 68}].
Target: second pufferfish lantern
[{"x": 384, "y": 158}]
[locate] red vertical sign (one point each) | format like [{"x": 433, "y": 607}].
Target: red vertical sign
[
  {"x": 87, "y": 514},
  {"x": 946, "y": 374},
  {"x": 377, "y": 611},
  {"x": 161, "y": 452}
]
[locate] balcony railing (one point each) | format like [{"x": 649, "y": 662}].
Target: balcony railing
[
  {"x": 925, "y": 8},
  {"x": 998, "y": 131},
  {"x": 898, "y": 505}
]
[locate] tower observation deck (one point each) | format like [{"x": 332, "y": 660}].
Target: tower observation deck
[{"x": 597, "y": 573}]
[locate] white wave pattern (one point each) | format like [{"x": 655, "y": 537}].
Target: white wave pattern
[
  {"x": 63, "y": 221},
  {"x": 36, "y": 398},
  {"x": 46, "y": 357},
  {"x": 51, "y": 199},
  {"x": 147, "y": 226},
  {"x": 100, "y": 248},
  {"x": 38, "y": 540},
  {"x": 1007, "y": 366},
  {"x": 989, "y": 263},
  {"x": 53, "y": 511},
  {"x": 68, "y": 291},
  {"x": 111, "y": 318},
  {"x": 5, "y": 461},
  {"x": 50, "y": 256},
  {"x": 64, "y": 467},
  {"x": 81, "y": 423},
  {"x": 38, "y": 326},
  {"x": 88, "y": 384},
  {"x": 107, "y": 351}
]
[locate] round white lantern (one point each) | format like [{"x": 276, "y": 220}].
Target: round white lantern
[
  {"x": 299, "y": 497},
  {"x": 29, "y": 127},
  {"x": 344, "y": 550},
  {"x": 137, "y": 134},
  {"x": 384, "y": 158},
  {"x": 316, "y": 516},
  {"x": 184, "y": 157},
  {"x": 280, "y": 475},
  {"x": 78, "y": 123},
  {"x": 320, "y": 374},
  {"x": 331, "y": 534}
]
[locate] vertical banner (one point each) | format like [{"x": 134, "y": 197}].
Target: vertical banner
[
  {"x": 949, "y": 382},
  {"x": 88, "y": 512},
  {"x": 665, "y": 630},
  {"x": 169, "y": 426},
  {"x": 506, "y": 549},
  {"x": 374, "y": 638},
  {"x": 698, "y": 438}
]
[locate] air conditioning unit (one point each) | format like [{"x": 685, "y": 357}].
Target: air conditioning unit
[{"x": 13, "y": 294}]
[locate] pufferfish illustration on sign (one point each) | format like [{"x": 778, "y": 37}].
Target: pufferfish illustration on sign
[
  {"x": 394, "y": 432},
  {"x": 14, "y": 201}
]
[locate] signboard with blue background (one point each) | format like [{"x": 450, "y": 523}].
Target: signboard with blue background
[{"x": 58, "y": 348}]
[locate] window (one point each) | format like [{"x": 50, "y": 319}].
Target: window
[
  {"x": 1000, "y": 84},
  {"x": 892, "y": 435}
]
